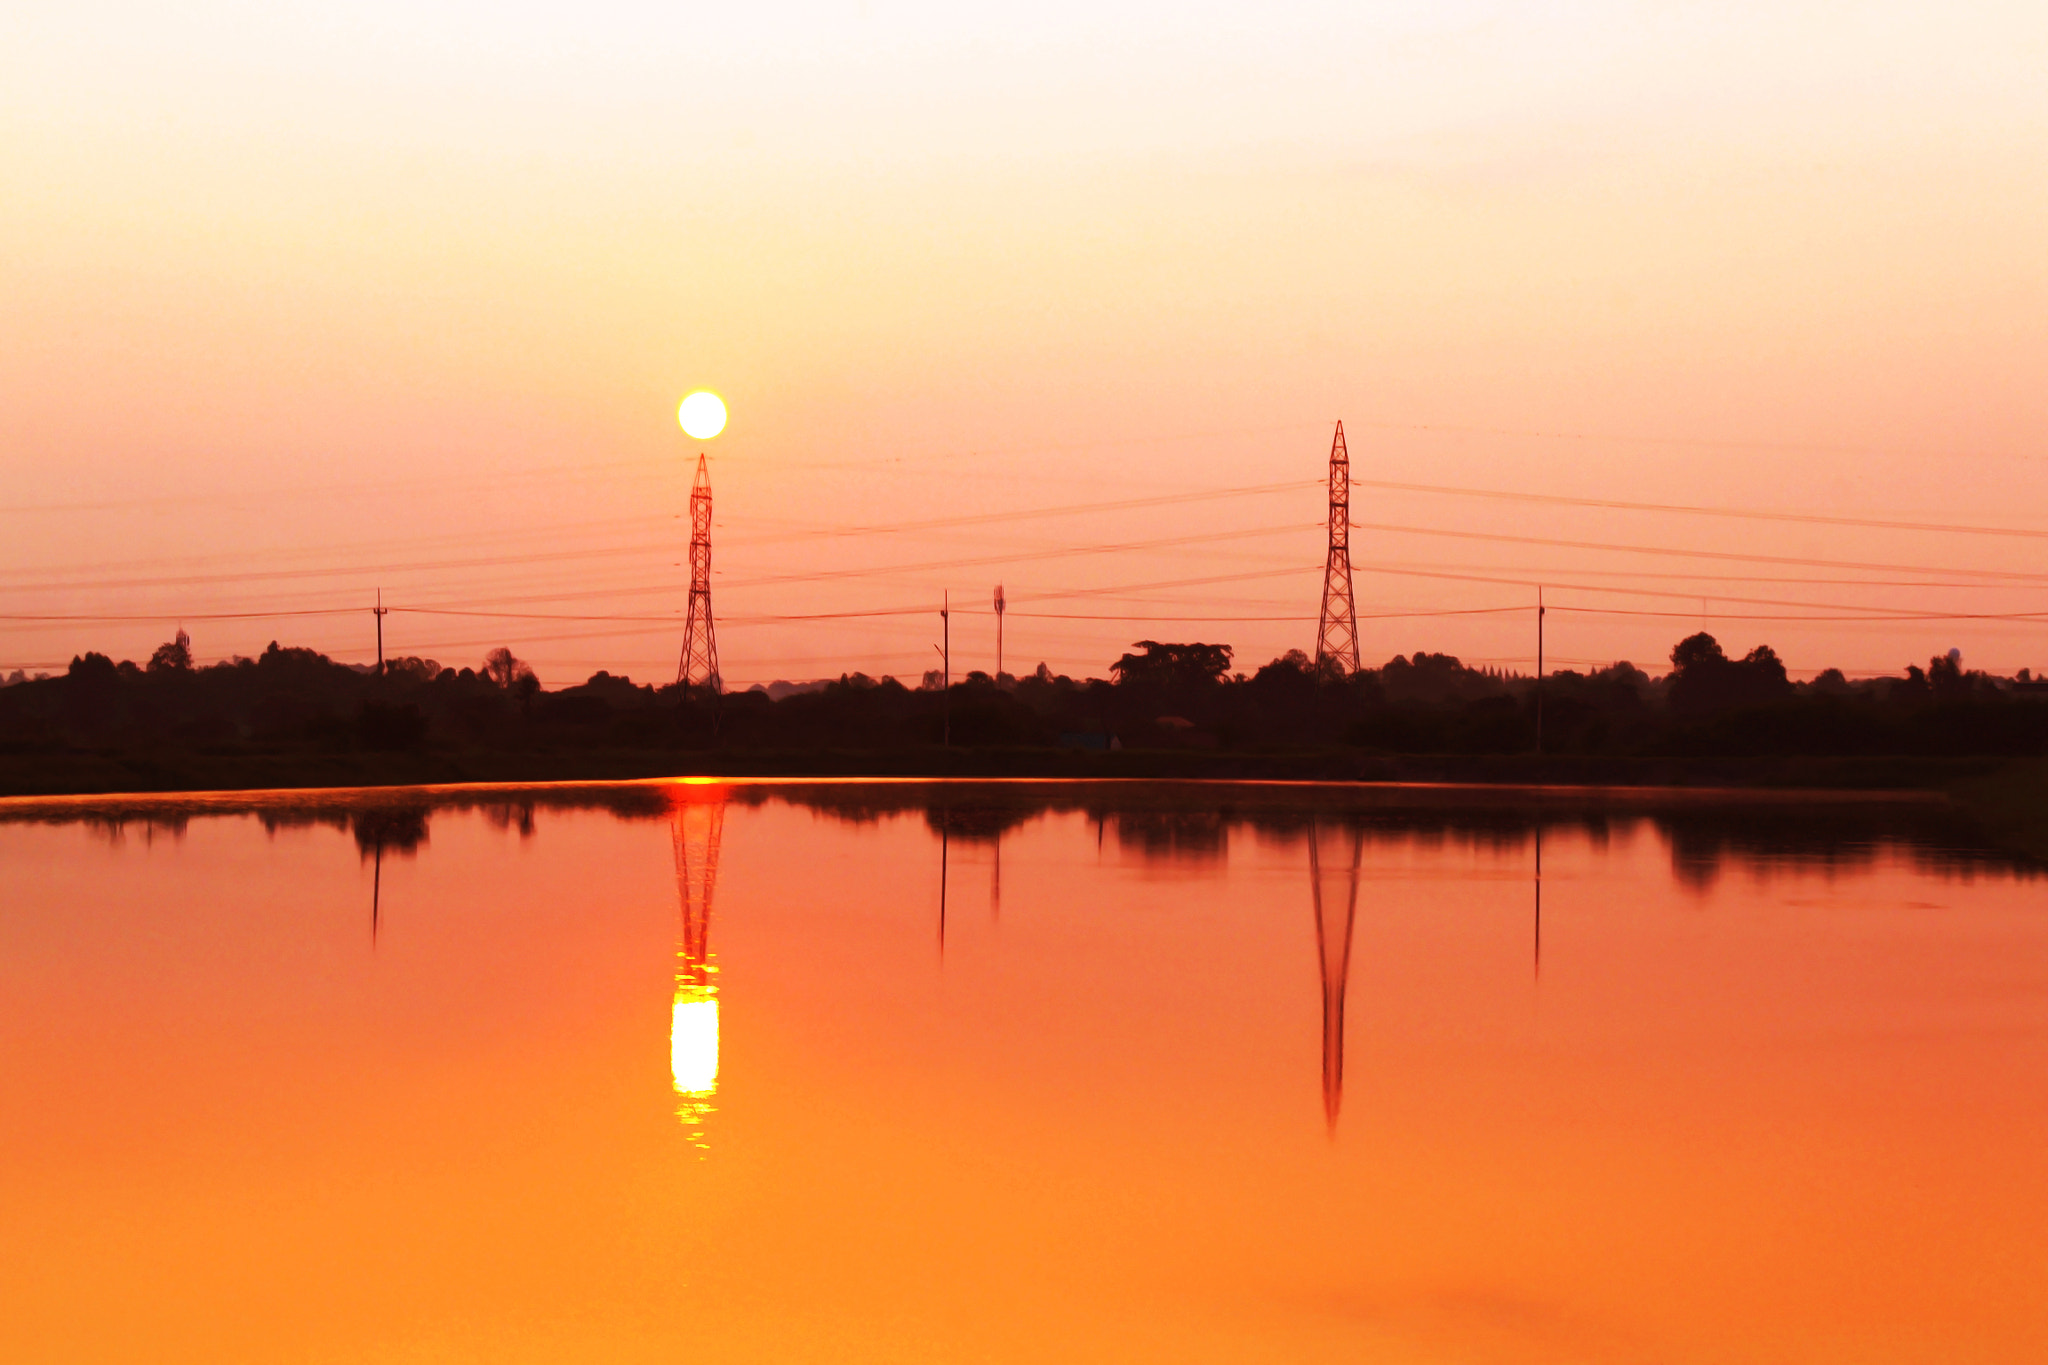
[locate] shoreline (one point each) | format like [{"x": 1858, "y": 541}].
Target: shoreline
[
  {"x": 2002, "y": 801},
  {"x": 192, "y": 772},
  {"x": 258, "y": 798}
]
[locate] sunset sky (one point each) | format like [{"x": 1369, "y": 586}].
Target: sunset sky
[{"x": 302, "y": 301}]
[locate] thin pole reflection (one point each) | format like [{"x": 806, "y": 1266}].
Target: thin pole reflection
[
  {"x": 401, "y": 829},
  {"x": 995, "y": 890},
  {"x": 696, "y": 828},
  {"x": 1333, "y": 945},
  {"x": 1539, "y": 899},
  {"x": 944, "y": 847}
]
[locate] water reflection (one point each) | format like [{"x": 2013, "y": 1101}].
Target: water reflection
[
  {"x": 696, "y": 828},
  {"x": 1188, "y": 825},
  {"x": 1333, "y": 948},
  {"x": 1759, "y": 1111},
  {"x": 977, "y": 820},
  {"x": 402, "y": 829},
  {"x": 1194, "y": 837}
]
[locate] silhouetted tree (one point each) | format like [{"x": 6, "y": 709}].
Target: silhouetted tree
[
  {"x": 1945, "y": 675},
  {"x": 175, "y": 657},
  {"x": 1172, "y": 668},
  {"x": 92, "y": 668},
  {"x": 1704, "y": 679},
  {"x": 507, "y": 670}
]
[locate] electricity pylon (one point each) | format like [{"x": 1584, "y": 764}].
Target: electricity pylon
[
  {"x": 1333, "y": 943},
  {"x": 1337, "y": 635},
  {"x": 699, "y": 665}
]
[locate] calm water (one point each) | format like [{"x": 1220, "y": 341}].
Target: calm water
[{"x": 1017, "y": 1072}]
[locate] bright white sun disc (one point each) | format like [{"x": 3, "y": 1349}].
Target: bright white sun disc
[{"x": 702, "y": 415}]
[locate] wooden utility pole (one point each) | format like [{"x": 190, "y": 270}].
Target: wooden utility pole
[
  {"x": 999, "y": 635},
  {"x": 381, "y": 612},
  {"x": 1539, "y": 669}
]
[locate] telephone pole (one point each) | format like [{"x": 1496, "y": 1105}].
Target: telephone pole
[
  {"x": 1539, "y": 670},
  {"x": 999, "y": 635},
  {"x": 699, "y": 665},
  {"x": 1337, "y": 635},
  {"x": 380, "y": 611},
  {"x": 946, "y": 677}
]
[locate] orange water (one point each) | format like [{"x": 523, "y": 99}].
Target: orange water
[{"x": 1788, "y": 1106}]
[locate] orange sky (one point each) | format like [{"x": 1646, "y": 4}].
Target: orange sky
[{"x": 301, "y": 305}]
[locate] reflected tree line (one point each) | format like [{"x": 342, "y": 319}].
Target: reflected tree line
[
  {"x": 1339, "y": 826},
  {"x": 1168, "y": 821}
]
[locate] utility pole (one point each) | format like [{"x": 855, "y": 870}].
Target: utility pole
[
  {"x": 946, "y": 677},
  {"x": 381, "y": 611},
  {"x": 999, "y": 635},
  {"x": 1539, "y": 670}
]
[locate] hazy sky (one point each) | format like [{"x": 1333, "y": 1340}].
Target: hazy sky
[{"x": 304, "y": 300}]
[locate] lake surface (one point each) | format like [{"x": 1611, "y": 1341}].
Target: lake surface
[{"x": 1018, "y": 1071}]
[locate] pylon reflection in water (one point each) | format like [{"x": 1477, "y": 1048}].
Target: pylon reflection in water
[
  {"x": 696, "y": 824},
  {"x": 1333, "y": 942}
]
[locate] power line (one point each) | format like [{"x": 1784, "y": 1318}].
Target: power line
[
  {"x": 1612, "y": 504},
  {"x": 1113, "y": 547},
  {"x": 1692, "y": 442},
  {"x": 1033, "y": 514},
  {"x": 1727, "y": 556},
  {"x": 161, "y": 617},
  {"x": 653, "y": 547},
  {"x": 1868, "y": 613}
]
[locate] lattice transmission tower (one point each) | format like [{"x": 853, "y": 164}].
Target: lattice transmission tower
[
  {"x": 697, "y": 828},
  {"x": 699, "y": 665},
  {"x": 1337, "y": 636}
]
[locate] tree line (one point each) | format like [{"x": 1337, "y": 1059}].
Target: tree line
[{"x": 1158, "y": 695}]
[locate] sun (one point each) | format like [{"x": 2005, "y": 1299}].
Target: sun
[{"x": 702, "y": 414}]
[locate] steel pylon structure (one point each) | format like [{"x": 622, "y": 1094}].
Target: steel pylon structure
[
  {"x": 1337, "y": 635},
  {"x": 1333, "y": 943},
  {"x": 697, "y": 828},
  {"x": 699, "y": 665}
]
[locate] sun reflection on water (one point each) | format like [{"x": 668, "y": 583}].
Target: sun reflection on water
[
  {"x": 693, "y": 1053},
  {"x": 697, "y": 827}
]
